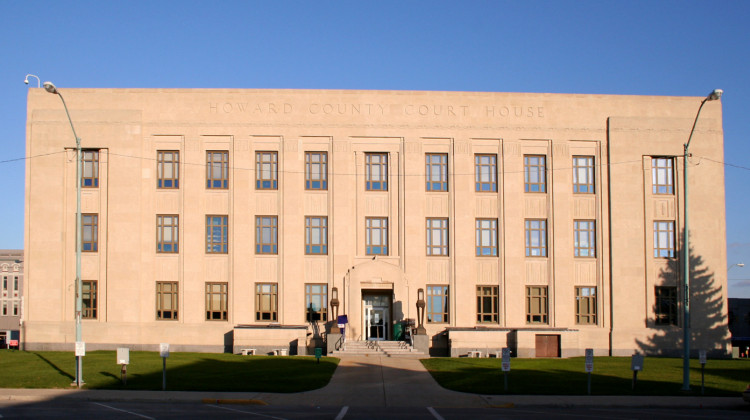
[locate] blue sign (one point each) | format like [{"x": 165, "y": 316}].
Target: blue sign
[{"x": 342, "y": 320}]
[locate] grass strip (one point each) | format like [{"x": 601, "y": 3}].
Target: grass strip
[
  {"x": 185, "y": 371},
  {"x": 611, "y": 376}
]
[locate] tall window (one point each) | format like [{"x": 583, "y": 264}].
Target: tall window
[
  {"x": 266, "y": 170},
  {"x": 666, "y": 305},
  {"x": 485, "y": 173},
  {"x": 487, "y": 304},
  {"x": 436, "y": 171},
  {"x": 585, "y": 305},
  {"x": 167, "y": 169},
  {"x": 664, "y": 239},
  {"x": 437, "y": 236},
  {"x": 585, "y": 238},
  {"x": 662, "y": 175},
  {"x": 535, "y": 173},
  {"x": 90, "y": 175},
  {"x": 266, "y": 235},
  {"x": 376, "y": 235},
  {"x": 88, "y": 298},
  {"x": 217, "y": 234},
  {"x": 216, "y": 301},
  {"x": 316, "y": 302},
  {"x": 167, "y": 300},
  {"x": 217, "y": 169},
  {"x": 316, "y": 170},
  {"x": 536, "y": 238},
  {"x": 486, "y": 237},
  {"x": 316, "y": 235},
  {"x": 376, "y": 171},
  {"x": 536, "y": 304},
  {"x": 266, "y": 302},
  {"x": 583, "y": 174},
  {"x": 167, "y": 233},
  {"x": 9, "y": 297},
  {"x": 90, "y": 232},
  {"x": 437, "y": 304}
]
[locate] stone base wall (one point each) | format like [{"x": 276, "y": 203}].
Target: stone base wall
[{"x": 267, "y": 339}]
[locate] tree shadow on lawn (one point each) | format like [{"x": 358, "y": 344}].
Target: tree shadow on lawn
[
  {"x": 246, "y": 374},
  {"x": 558, "y": 382},
  {"x": 739, "y": 375},
  {"x": 54, "y": 366}
]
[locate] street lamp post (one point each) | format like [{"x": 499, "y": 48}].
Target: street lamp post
[
  {"x": 26, "y": 80},
  {"x": 715, "y": 95},
  {"x": 50, "y": 87},
  {"x": 740, "y": 265}
]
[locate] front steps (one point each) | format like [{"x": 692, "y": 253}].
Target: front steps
[{"x": 379, "y": 348}]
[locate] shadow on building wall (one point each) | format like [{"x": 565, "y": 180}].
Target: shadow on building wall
[{"x": 708, "y": 322}]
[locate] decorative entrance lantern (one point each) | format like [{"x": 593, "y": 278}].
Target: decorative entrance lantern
[
  {"x": 420, "y": 312},
  {"x": 335, "y": 305}
]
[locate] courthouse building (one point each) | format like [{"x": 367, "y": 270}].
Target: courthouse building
[{"x": 222, "y": 219}]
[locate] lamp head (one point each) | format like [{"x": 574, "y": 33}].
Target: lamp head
[
  {"x": 715, "y": 95},
  {"x": 26, "y": 80},
  {"x": 740, "y": 264},
  {"x": 50, "y": 87}
]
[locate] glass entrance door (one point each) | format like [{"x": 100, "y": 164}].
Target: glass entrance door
[
  {"x": 376, "y": 316},
  {"x": 376, "y": 319}
]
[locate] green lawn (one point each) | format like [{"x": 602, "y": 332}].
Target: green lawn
[
  {"x": 185, "y": 371},
  {"x": 611, "y": 376}
]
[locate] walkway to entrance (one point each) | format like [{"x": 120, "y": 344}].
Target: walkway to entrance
[{"x": 379, "y": 381}]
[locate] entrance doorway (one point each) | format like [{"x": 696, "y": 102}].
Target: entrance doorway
[{"x": 377, "y": 314}]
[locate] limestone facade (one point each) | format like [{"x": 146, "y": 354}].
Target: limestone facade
[{"x": 540, "y": 222}]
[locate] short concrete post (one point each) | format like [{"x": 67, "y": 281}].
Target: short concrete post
[
  {"x": 332, "y": 340},
  {"x": 422, "y": 343}
]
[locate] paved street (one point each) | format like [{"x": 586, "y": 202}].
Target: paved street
[{"x": 77, "y": 409}]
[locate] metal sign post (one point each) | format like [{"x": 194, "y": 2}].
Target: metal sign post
[
  {"x": 341, "y": 321},
  {"x": 636, "y": 364},
  {"x": 506, "y": 366},
  {"x": 80, "y": 352},
  {"x": 164, "y": 352},
  {"x": 123, "y": 359},
  {"x": 589, "y": 367}
]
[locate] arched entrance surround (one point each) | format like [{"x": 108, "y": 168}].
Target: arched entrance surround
[{"x": 376, "y": 296}]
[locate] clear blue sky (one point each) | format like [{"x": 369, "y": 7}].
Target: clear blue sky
[{"x": 680, "y": 48}]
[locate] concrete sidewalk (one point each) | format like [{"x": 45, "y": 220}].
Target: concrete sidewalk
[{"x": 377, "y": 381}]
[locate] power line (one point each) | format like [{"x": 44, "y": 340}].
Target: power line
[
  {"x": 30, "y": 157},
  {"x": 726, "y": 164},
  {"x": 238, "y": 168}
]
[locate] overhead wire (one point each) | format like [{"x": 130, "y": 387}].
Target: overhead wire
[{"x": 239, "y": 168}]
